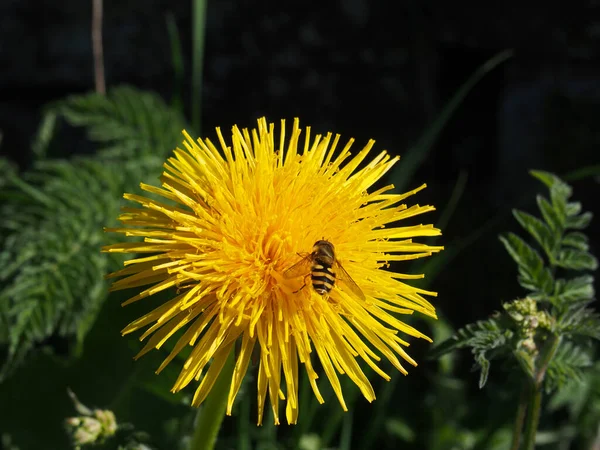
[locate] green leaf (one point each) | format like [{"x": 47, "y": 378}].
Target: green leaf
[
  {"x": 559, "y": 205},
  {"x": 45, "y": 134},
  {"x": 532, "y": 273},
  {"x": 580, "y": 321},
  {"x": 539, "y": 230},
  {"x": 579, "y": 222},
  {"x": 550, "y": 215},
  {"x": 551, "y": 181},
  {"x": 52, "y": 219},
  {"x": 573, "y": 395},
  {"x": 576, "y": 260},
  {"x": 484, "y": 334},
  {"x": 576, "y": 240},
  {"x": 568, "y": 364},
  {"x": 486, "y": 338},
  {"x": 130, "y": 123},
  {"x": 484, "y": 365},
  {"x": 573, "y": 208},
  {"x": 574, "y": 290}
]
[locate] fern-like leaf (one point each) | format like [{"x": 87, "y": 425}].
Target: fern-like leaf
[
  {"x": 127, "y": 122},
  {"x": 580, "y": 321},
  {"x": 486, "y": 338},
  {"x": 51, "y": 270},
  {"x": 566, "y": 365}
]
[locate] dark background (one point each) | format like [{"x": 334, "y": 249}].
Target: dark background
[{"x": 381, "y": 70}]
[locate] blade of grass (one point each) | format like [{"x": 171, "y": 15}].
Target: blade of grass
[
  {"x": 370, "y": 434},
  {"x": 244, "y": 424},
  {"x": 457, "y": 193},
  {"x": 419, "y": 151},
  {"x": 336, "y": 418},
  {"x": 198, "y": 32},
  {"x": 267, "y": 434},
  {"x": 308, "y": 410},
  {"x": 583, "y": 172},
  {"x": 346, "y": 437},
  {"x": 176, "y": 61}
]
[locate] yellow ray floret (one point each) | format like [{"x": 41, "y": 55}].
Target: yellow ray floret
[{"x": 233, "y": 218}]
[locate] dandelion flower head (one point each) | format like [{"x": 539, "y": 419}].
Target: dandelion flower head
[{"x": 232, "y": 221}]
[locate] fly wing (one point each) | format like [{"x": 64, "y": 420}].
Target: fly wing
[
  {"x": 301, "y": 268},
  {"x": 342, "y": 275}
]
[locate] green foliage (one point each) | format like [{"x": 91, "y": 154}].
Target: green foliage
[
  {"x": 581, "y": 399},
  {"x": 127, "y": 123},
  {"x": 486, "y": 338},
  {"x": 543, "y": 331},
  {"x": 567, "y": 365},
  {"x": 52, "y": 217},
  {"x": 562, "y": 247}
]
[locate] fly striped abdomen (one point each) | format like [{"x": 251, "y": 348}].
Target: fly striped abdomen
[
  {"x": 324, "y": 268},
  {"x": 322, "y": 278}
]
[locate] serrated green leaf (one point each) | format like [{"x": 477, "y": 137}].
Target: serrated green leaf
[
  {"x": 532, "y": 273},
  {"x": 558, "y": 198},
  {"x": 539, "y": 230},
  {"x": 483, "y": 334},
  {"x": 550, "y": 216},
  {"x": 486, "y": 338},
  {"x": 53, "y": 216},
  {"x": 574, "y": 290},
  {"x": 559, "y": 194},
  {"x": 576, "y": 240},
  {"x": 573, "y": 396},
  {"x": 549, "y": 179},
  {"x": 576, "y": 260},
  {"x": 566, "y": 365},
  {"x": 579, "y": 222},
  {"x": 573, "y": 208},
  {"x": 128, "y": 122},
  {"x": 579, "y": 320},
  {"x": 484, "y": 366},
  {"x": 45, "y": 134}
]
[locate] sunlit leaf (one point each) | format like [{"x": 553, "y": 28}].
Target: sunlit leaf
[{"x": 576, "y": 260}]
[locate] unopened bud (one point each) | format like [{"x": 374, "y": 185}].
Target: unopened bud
[
  {"x": 91, "y": 426},
  {"x": 84, "y": 430}
]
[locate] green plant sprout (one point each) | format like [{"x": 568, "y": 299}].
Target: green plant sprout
[{"x": 548, "y": 331}]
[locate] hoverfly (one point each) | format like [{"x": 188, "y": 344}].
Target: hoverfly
[{"x": 324, "y": 269}]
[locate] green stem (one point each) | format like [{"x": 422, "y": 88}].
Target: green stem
[
  {"x": 535, "y": 401},
  {"x": 545, "y": 357},
  {"x": 533, "y": 418},
  {"x": 520, "y": 418},
  {"x": 198, "y": 31},
  {"x": 211, "y": 413}
]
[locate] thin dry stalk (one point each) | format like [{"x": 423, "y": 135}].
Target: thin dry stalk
[{"x": 97, "y": 46}]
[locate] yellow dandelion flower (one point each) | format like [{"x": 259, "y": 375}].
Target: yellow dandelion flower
[{"x": 235, "y": 222}]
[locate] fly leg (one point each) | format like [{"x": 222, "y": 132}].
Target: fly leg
[{"x": 304, "y": 285}]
